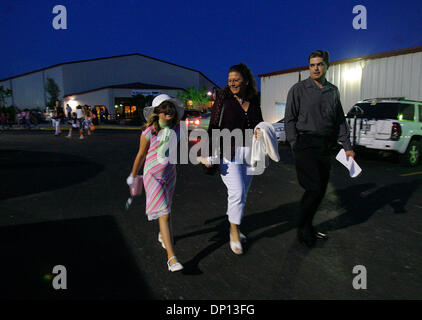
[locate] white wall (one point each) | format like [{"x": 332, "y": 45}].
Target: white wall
[
  {"x": 57, "y": 75},
  {"x": 99, "y": 97},
  {"x": 28, "y": 91},
  {"x": 347, "y": 77},
  {"x": 274, "y": 89},
  {"x": 89, "y": 75},
  {"x": 399, "y": 76}
]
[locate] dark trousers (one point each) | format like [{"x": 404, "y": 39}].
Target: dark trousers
[{"x": 313, "y": 164}]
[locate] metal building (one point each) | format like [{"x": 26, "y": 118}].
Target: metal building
[
  {"x": 103, "y": 82},
  {"x": 395, "y": 73}
]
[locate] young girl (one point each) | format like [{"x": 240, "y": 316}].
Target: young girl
[
  {"x": 87, "y": 121},
  {"x": 80, "y": 119},
  {"x": 159, "y": 176},
  {"x": 73, "y": 124}
]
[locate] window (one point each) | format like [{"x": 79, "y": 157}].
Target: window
[
  {"x": 407, "y": 112},
  {"x": 420, "y": 113},
  {"x": 383, "y": 110}
]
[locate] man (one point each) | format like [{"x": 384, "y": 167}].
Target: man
[
  {"x": 314, "y": 121},
  {"x": 69, "y": 112},
  {"x": 58, "y": 115},
  {"x": 27, "y": 118}
]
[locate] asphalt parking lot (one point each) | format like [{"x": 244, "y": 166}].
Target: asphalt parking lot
[{"x": 62, "y": 202}]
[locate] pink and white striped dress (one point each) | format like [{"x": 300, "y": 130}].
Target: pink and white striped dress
[{"x": 159, "y": 178}]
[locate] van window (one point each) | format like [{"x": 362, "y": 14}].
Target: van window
[
  {"x": 407, "y": 112},
  {"x": 383, "y": 110},
  {"x": 420, "y": 113}
]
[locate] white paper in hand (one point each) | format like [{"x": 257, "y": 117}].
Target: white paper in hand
[{"x": 350, "y": 164}]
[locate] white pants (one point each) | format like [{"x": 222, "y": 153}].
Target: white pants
[
  {"x": 56, "y": 124},
  {"x": 235, "y": 177}
]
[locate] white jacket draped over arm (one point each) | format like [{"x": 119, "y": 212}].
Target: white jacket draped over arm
[{"x": 265, "y": 146}]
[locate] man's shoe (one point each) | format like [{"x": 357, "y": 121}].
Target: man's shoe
[
  {"x": 321, "y": 235},
  {"x": 308, "y": 240}
]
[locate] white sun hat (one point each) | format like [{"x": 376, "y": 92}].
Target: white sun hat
[{"x": 160, "y": 99}]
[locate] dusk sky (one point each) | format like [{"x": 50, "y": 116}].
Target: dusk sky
[{"x": 209, "y": 36}]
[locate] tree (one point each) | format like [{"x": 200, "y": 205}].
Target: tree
[
  {"x": 53, "y": 91},
  {"x": 200, "y": 99},
  {"x": 4, "y": 93}
]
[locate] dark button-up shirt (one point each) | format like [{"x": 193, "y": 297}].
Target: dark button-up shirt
[{"x": 316, "y": 111}]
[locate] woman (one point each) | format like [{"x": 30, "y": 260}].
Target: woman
[
  {"x": 80, "y": 115},
  {"x": 238, "y": 107},
  {"x": 159, "y": 174},
  {"x": 58, "y": 115}
]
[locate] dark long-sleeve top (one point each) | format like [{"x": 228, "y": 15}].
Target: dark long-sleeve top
[
  {"x": 316, "y": 111},
  {"x": 234, "y": 117}
]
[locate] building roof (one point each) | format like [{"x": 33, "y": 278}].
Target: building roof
[
  {"x": 135, "y": 85},
  {"x": 104, "y": 58},
  {"x": 367, "y": 57}
]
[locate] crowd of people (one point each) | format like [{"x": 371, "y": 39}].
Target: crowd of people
[
  {"x": 81, "y": 120},
  {"x": 59, "y": 116},
  {"x": 23, "y": 119}
]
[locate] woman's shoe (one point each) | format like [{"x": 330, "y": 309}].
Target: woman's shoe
[
  {"x": 236, "y": 246},
  {"x": 175, "y": 266},
  {"x": 160, "y": 240}
]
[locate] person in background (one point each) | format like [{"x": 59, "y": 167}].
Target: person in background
[
  {"x": 80, "y": 116},
  {"x": 87, "y": 121},
  {"x": 34, "y": 117},
  {"x": 73, "y": 124},
  {"x": 314, "y": 122},
  {"x": 102, "y": 115},
  {"x": 58, "y": 115},
  {"x": 21, "y": 119},
  {"x": 94, "y": 115},
  {"x": 3, "y": 120},
  {"x": 69, "y": 112},
  {"x": 27, "y": 118}
]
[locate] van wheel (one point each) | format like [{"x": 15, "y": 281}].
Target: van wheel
[{"x": 412, "y": 155}]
